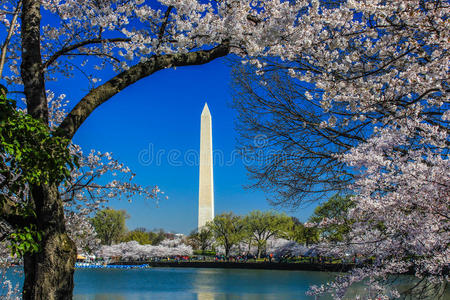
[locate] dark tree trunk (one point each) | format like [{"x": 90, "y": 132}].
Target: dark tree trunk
[
  {"x": 31, "y": 68},
  {"x": 49, "y": 272}
]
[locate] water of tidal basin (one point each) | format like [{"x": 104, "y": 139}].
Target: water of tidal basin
[{"x": 194, "y": 284}]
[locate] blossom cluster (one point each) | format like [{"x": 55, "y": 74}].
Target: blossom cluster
[{"x": 133, "y": 250}]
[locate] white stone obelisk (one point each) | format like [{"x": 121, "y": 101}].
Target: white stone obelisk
[{"x": 206, "y": 187}]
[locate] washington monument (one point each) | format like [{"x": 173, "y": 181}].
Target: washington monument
[{"x": 206, "y": 186}]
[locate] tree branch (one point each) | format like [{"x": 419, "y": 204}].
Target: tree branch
[
  {"x": 162, "y": 29},
  {"x": 67, "y": 49},
  {"x": 119, "y": 82},
  {"x": 8, "y": 37}
]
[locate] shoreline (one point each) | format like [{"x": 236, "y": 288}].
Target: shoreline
[{"x": 245, "y": 265}]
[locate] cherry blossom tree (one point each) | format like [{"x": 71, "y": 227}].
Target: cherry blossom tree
[
  {"x": 397, "y": 78},
  {"x": 281, "y": 247},
  {"x": 380, "y": 68}
]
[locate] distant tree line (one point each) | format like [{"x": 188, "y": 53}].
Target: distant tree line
[{"x": 229, "y": 231}]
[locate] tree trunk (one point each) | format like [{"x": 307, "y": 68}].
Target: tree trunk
[
  {"x": 49, "y": 273},
  {"x": 31, "y": 67}
]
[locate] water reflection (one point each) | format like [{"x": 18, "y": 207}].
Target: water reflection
[
  {"x": 100, "y": 297},
  {"x": 205, "y": 296},
  {"x": 229, "y": 284},
  {"x": 202, "y": 283}
]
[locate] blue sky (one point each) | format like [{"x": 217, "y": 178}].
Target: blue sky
[{"x": 161, "y": 115}]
